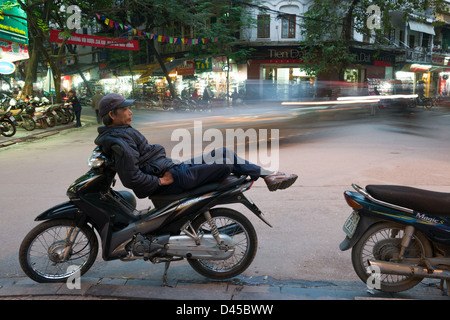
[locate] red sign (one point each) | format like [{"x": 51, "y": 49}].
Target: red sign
[
  {"x": 186, "y": 68},
  {"x": 381, "y": 63},
  {"x": 95, "y": 41}
]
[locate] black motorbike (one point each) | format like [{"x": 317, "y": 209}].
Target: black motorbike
[
  {"x": 7, "y": 125},
  {"x": 218, "y": 243},
  {"x": 399, "y": 235}
]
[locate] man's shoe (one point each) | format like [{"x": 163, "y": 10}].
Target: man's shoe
[{"x": 279, "y": 180}]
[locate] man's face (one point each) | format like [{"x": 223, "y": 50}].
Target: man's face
[{"x": 121, "y": 117}]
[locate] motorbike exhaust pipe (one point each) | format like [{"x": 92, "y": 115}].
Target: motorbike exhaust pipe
[{"x": 384, "y": 267}]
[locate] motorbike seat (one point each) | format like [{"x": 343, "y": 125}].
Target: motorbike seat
[
  {"x": 424, "y": 201},
  {"x": 16, "y": 112},
  {"x": 160, "y": 200}
]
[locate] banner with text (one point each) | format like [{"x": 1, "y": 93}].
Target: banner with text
[{"x": 95, "y": 41}]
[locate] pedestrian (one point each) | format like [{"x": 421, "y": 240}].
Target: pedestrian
[
  {"x": 195, "y": 95},
  {"x": 145, "y": 169},
  {"x": 76, "y": 106},
  {"x": 206, "y": 96},
  {"x": 95, "y": 101}
]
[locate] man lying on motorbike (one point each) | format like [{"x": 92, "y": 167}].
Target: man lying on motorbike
[{"x": 145, "y": 169}]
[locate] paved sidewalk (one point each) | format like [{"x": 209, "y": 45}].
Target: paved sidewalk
[
  {"x": 89, "y": 288},
  {"x": 87, "y": 119}
]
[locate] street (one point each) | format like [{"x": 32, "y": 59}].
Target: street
[{"x": 328, "y": 149}]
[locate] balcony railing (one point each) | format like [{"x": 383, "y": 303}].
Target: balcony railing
[{"x": 418, "y": 55}]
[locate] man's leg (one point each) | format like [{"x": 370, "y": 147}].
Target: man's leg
[
  {"x": 223, "y": 156},
  {"x": 273, "y": 180},
  {"x": 191, "y": 176}
]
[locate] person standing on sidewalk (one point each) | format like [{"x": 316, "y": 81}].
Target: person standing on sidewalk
[
  {"x": 95, "y": 101},
  {"x": 76, "y": 105}
]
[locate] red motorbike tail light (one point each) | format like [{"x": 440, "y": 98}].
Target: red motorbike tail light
[{"x": 351, "y": 202}]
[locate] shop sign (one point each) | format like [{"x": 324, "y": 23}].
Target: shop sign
[
  {"x": 284, "y": 54},
  {"x": 95, "y": 41},
  {"x": 372, "y": 57},
  {"x": 186, "y": 68},
  {"x": 12, "y": 51},
  {"x": 13, "y": 28},
  {"x": 440, "y": 61},
  {"x": 203, "y": 65},
  {"x": 7, "y": 67}
]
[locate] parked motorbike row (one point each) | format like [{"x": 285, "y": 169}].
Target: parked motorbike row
[
  {"x": 32, "y": 113},
  {"x": 178, "y": 104}
]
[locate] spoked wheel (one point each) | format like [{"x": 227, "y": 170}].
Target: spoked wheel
[
  {"x": 29, "y": 124},
  {"x": 9, "y": 128},
  {"x": 51, "y": 120},
  {"x": 45, "y": 255},
  {"x": 383, "y": 242},
  {"x": 64, "y": 117},
  {"x": 42, "y": 123},
  {"x": 243, "y": 234}
]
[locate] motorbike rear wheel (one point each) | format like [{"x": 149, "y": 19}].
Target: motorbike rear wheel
[
  {"x": 383, "y": 242},
  {"x": 42, "y": 248},
  {"x": 240, "y": 230},
  {"x": 51, "y": 120}
]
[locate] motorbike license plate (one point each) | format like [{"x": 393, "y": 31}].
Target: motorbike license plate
[
  {"x": 351, "y": 224},
  {"x": 34, "y": 118},
  {"x": 12, "y": 118}
]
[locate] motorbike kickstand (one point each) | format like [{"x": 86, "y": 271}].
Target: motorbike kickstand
[{"x": 164, "y": 279}]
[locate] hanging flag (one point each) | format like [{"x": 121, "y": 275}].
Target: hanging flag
[{"x": 159, "y": 38}]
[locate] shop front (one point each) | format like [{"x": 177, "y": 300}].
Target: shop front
[
  {"x": 214, "y": 75},
  {"x": 194, "y": 77},
  {"x": 275, "y": 73},
  {"x": 428, "y": 80},
  {"x": 13, "y": 43}
]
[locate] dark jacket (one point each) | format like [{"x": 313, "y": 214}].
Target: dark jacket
[
  {"x": 76, "y": 105},
  {"x": 138, "y": 163}
]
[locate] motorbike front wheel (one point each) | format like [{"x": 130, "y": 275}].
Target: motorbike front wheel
[
  {"x": 9, "y": 128},
  {"x": 42, "y": 250},
  {"x": 29, "y": 124},
  {"x": 243, "y": 234},
  {"x": 383, "y": 242}
]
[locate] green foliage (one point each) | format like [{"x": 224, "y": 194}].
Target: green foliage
[{"x": 328, "y": 25}]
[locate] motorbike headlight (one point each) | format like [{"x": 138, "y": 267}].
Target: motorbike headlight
[{"x": 96, "y": 160}]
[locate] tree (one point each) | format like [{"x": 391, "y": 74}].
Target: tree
[
  {"x": 205, "y": 19},
  {"x": 40, "y": 15},
  {"x": 328, "y": 27}
]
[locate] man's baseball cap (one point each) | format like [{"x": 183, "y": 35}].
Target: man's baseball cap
[{"x": 112, "y": 101}]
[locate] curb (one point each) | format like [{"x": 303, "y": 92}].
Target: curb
[{"x": 90, "y": 288}]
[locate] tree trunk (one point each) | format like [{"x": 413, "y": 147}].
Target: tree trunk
[
  {"x": 163, "y": 68},
  {"x": 31, "y": 70},
  {"x": 347, "y": 30}
]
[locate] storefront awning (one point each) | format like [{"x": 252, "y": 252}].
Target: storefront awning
[
  {"x": 169, "y": 66},
  {"x": 421, "y": 27}
]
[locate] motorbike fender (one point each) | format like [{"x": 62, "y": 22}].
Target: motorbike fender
[
  {"x": 63, "y": 210},
  {"x": 364, "y": 223}
]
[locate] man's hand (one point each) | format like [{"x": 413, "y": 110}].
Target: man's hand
[{"x": 166, "y": 179}]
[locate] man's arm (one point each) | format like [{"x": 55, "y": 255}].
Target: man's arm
[{"x": 127, "y": 167}]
